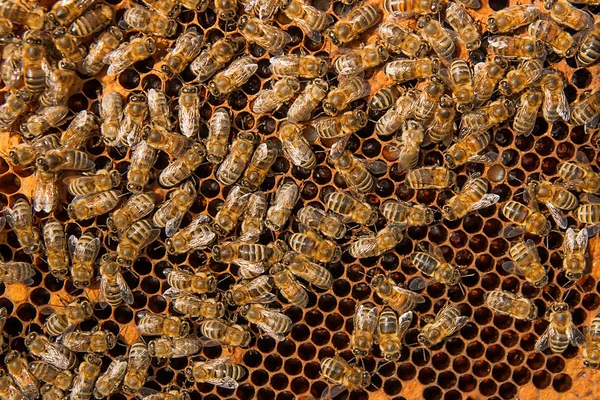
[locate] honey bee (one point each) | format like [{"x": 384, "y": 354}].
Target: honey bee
[
  {"x": 433, "y": 177},
  {"x": 441, "y": 128},
  {"x": 108, "y": 41},
  {"x": 344, "y": 376},
  {"x": 16, "y": 272},
  {"x": 508, "y": 303},
  {"x": 282, "y": 205},
  {"x": 64, "y": 12},
  {"x": 128, "y": 53},
  {"x": 219, "y": 127},
  {"x": 187, "y": 48},
  {"x": 113, "y": 288},
  {"x": 458, "y": 18},
  {"x": 394, "y": 117},
  {"x": 281, "y": 92},
  {"x": 133, "y": 240},
  {"x": 174, "y": 347},
  {"x": 555, "y": 197},
  {"x": 263, "y": 9},
  {"x": 48, "y": 373},
  {"x": 365, "y": 325},
  {"x": 399, "y": 39},
  {"x": 140, "y": 19},
  {"x": 395, "y": 296},
  {"x": 264, "y": 156},
  {"x": 25, "y": 154},
  {"x": 80, "y": 129},
  {"x": 407, "y": 214},
  {"x": 109, "y": 381},
  {"x": 327, "y": 223},
  {"x": 95, "y": 341},
  {"x": 169, "y": 8},
  {"x": 351, "y": 209},
  {"x": 111, "y": 113},
  {"x": 184, "y": 281},
  {"x": 138, "y": 362},
  {"x": 216, "y": 56},
  {"x": 92, "y": 21},
  {"x": 574, "y": 262},
  {"x": 10, "y": 391},
  {"x": 590, "y": 350},
  {"x": 567, "y": 15},
  {"x": 93, "y": 205},
  {"x": 11, "y": 68},
  {"x": 194, "y": 307},
  {"x": 484, "y": 118},
  {"x": 342, "y": 125},
  {"x": 226, "y": 9},
  {"x": 588, "y": 213},
  {"x": 233, "y": 77},
  {"x": 384, "y": 98},
  {"x": 162, "y": 325},
  {"x": 6, "y": 27},
  {"x": 182, "y": 168},
  {"x": 17, "y": 366},
  {"x": 561, "y": 332},
  {"x": 44, "y": 119},
  {"x": 253, "y": 218},
  {"x": 432, "y": 263},
  {"x": 357, "y": 173},
  {"x": 527, "y": 220},
  {"x": 526, "y": 263},
  {"x": 101, "y": 181},
  {"x": 267, "y": 36},
  {"x": 410, "y": 8},
  {"x": 524, "y": 120},
  {"x": 555, "y": 103},
  {"x": 61, "y": 159},
  {"x": 589, "y": 42},
  {"x": 34, "y": 56},
  {"x": 172, "y": 211},
  {"x": 306, "y": 17},
  {"x": 315, "y": 247},
  {"x": 339, "y": 98},
  {"x": 83, "y": 256},
  {"x": 52, "y": 353},
  {"x": 295, "y": 146},
  {"x": 56, "y": 248},
  {"x": 137, "y": 207},
  {"x": 23, "y": 14},
  {"x": 511, "y": 18},
  {"x": 426, "y": 102},
  {"x": 51, "y": 392},
  {"x": 586, "y": 111},
  {"x": 408, "y": 146},
  {"x": 517, "y": 47},
  {"x": 68, "y": 318},
  {"x": 358, "y": 21},
  {"x": 197, "y": 235},
  {"x": 550, "y": 33},
  {"x": 377, "y": 244},
  {"x": 231, "y": 211},
  {"x": 237, "y": 159},
  {"x": 289, "y": 287},
  {"x": 20, "y": 219},
  {"x": 437, "y": 37},
  {"x": 230, "y": 335},
  {"x": 473, "y": 196},
  {"x": 158, "y": 108},
  {"x": 302, "y": 267},
  {"x": 69, "y": 46},
  {"x": 189, "y": 110},
  {"x": 150, "y": 394},
  {"x": 217, "y": 372},
  {"x": 447, "y": 322},
  {"x": 232, "y": 251},
  {"x": 356, "y": 61},
  {"x": 306, "y": 102},
  {"x": 59, "y": 80},
  {"x": 174, "y": 144},
  {"x": 391, "y": 331},
  {"x": 273, "y": 323},
  {"x": 134, "y": 115}
]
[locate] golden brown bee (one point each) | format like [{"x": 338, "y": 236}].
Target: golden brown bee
[
  {"x": 111, "y": 113},
  {"x": 377, "y": 244},
  {"x": 64, "y": 160},
  {"x": 344, "y": 376},
  {"x": 174, "y": 347},
  {"x": 356, "y": 61},
  {"x": 172, "y": 211},
  {"x": 439, "y": 38},
  {"x": 391, "y": 331},
  {"x": 232, "y": 251},
  {"x": 182, "y": 168},
  {"x": 129, "y": 53},
  {"x": 339, "y": 98},
  {"x": 231, "y": 211},
  {"x": 407, "y": 148},
  {"x": 133, "y": 240},
  {"x": 327, "y": 223},
  {"x": 226, "y": 9},
  {"x": 217, "y": 372},
  {"x": 590, "y": 350},
  {"x": 172, "y": 143},
  {"x": 586, "y": 111},
  {"x": 134, "y": 116},
  {"x": 295, "y": 146},
  {"x": 16, "y": 272},
  {"x": 253, "y": 217},
  {"x": 394, "y": 117},
  {"x": 409, "y": 8},
  {"x": 384, "y": 98},
  {"x": 219, "y": 127},
  {"x": 137, "y": 207},
  {"x": 108, "y": 41},
  {"x": 64, "y": 12},
  {"x": 289, "y": 287},
  {"x": 399, "y": 39},
  {"x": 561, "y": 332},
  {"x": 555, "y": 103},
  {"x": 427, "y": 100},
  {"x": 17, "y": 366},
  {"x": 365, "y": 325},
  {"x": 83, "y": 256},
  {"x": 113, "y": 288},
  {"x": 60, "y": 80},
  {"x": 138, "y": 362},
  {"x": 508, "y": 303},
  {"x": 486, "y": 117},
  {"x": 189, "y": 110},
  {"x": 302, "y": 108},
  {"x": 517, "y": 47},
  {"x": 69, "y": 46},
  {"x": 20, "y": 219},
  {"x": 527, "y": 220},
  {"x": 342, "y": 125},
  {"x": 447, "y": 322},
  {"x": 302, "y": 267},
  {"x": 44, "y": 119},
  {"x": 34, "y": 56},
  {"x": 161, "y": 325},
  {"x": 81, "y": 128},
  {"x": 511, "y": 18},
  {"x": 473, "y": 196},
  {"x": 6, "y": 27},
  {"x": 272, "y": 323},
  {"x": 51, "y": 392},
  {"x": 485, "y": 78},
  {"x": 306, "y": 17},
  {"x": 92, "y": 21},
  {"x": 25, "y": 154},
  {"x": 184, "y": 281},
  {"x": 527, "y": 112},
  {"x": 395, "y": 296},
  {"x": 281, "y": 92},
  {"x": 158, "y": 107},
  {"x": 237, "y": 159},
  {"x": 526, "y": 262},
  {"x": 168, "y": 8},
  {"x": 96, "y": 341},
  {"x": 351, "y": 209},
  {"x": 195, "y": 307},
  {"x": 23, "y": 14},
  {"x": 358, "y": 21},
  {"x": 233, "y": 77},
  {"x": 187, "y": 48},
  {"x": 216, "y": 56},
  {"x": 460, "y": 79},
  {"x": 140, "y": 19},
  {"x": 263, "y": 9},
  {"x": 315, "y": 247},
  {"x": 460, "y": 20},
  {"x": 589, "y": 47},
  {"x": 267, "y": 36},
  {"x": 56, "y": 248},
  {"x": 48, "y": 373},
  {"x": 197, "y": 235},
  {"x": 53, "y": 353},
  {"x": 93, "y": 205},
  {"x": 430, "y": 178},
  {"x": 11, "y": 67},
  {"x": 230, "y": 335},
  {"x": 567, "y": 15},
  {"x": 101, "y": 181},
  {"x": 10, "y": 391},
  {"x": 357, "y": 173},
  {"x": 441, "y": 128},
  {"x": 551, "y": 33},
  {"x": 67, "y": 319},
  {"x": 109, "y": 381},
  {"x": 407, "y": 214},
  {"x": 555, "y": 197},
  {"x": 264, "y": 156},
  {"x": 282, "y": 205},
  {"x": 432, "y": 263},
  {"x": 574, "y": 262}
]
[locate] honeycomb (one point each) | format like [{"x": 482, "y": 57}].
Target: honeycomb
[{"x": 491, "y": 357}]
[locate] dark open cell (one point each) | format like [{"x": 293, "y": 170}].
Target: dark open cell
[
  {"x": 427, "y": 376},
  {"x": 508, "y": 390},
  {"x": 432, "y": 393},
  {"x": 440, "y": 361},
  {"x": 467, "y": 383}
]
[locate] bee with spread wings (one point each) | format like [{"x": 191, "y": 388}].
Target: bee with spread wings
[{"x": 561, "y": 332}]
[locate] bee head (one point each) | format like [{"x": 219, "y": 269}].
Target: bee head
[
  {"x": 333, "y": 37},
  {"x": 421, "y": 338},
  {"x": 448, "y": 213},
  {"x": 189, "y": 374},
  {"x": 30, "y": 338}
]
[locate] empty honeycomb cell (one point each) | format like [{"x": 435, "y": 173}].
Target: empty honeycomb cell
[
  {"x": 259, "y": 378},
  {"x": 509, "y": 157},
  {"x": 472, "y": 224},
  {"x": 279, "y": 381},
  {"x": 446, "y": 379},
  {"x": 26, "y": 312},
  {"x": 490, "y": 281},
  {"x": 10, "y": 183},
  {"x": 426, "y": 376},
  {"x": 299, "y": 385},
  {"x": 475, "y": 350},
  {"x": 432, "y": 393}
]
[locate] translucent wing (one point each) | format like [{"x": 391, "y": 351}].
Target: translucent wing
[
  {"x": 558, "y": 215},
  {"x": 126, "y": 293},
  {"x": 404, "y": 321},
  {"x": 45, "y": 195},
  {"x": 250, "y": 269},
  {"x": 570, "y": 240},
  {"x": 363, "y": 245},
  {"x": 417, "y": 297},
  {"x": 244, "y": 67},
  {"x": 544, "y": 341},
  {"x": 55, "y": 358},
  {"x": 487, "y": 158},
  {"x": 512, "y": 231},
  {"x": 312, "y": 34},
  {"x": 2, "y": 318},
  {"x": 498, "y": 42},
  {"x": 333, "y": 392},
  {"x": 102, "y": 301},
  {"x": 511, "y": 267},
  {"x": 226, "y": 382},
  {"x": 562, "y": 108},
  {"x": 459, "y": 323},
  {"x": 205, "y": 239},
  {"x": 117, "y": 60},
  {"x": 174, "y": 223},
  {"x": 366, "y": 320},
  {"x": 487, "y": 200},
  {"x": 417, "y": 283},
  {"x": 375, "y": 167},
  {"x": 582, "y": 239},
  {"x": 189, "y": 118},
  {"x": 152, "y": 236},
  {"x": 576, "y": 337},
  {"x": 11, "y": 217},
  {"x": 265, "y": 102}
]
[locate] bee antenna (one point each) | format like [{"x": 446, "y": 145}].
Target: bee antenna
[
  {"x": 462, "y": 289},
  {"x": 549, "y": 295},
  {"x": 226, "y": 276},
  {"x": 567, "y": 294}
]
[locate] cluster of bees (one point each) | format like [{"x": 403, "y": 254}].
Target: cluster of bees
[{"x": 46, "y": 51}]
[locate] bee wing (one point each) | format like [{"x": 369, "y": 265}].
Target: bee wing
[
  {"x": 544, "y": 341},
  {"x": 254, "y": 268},
  {"x": 204, "y": 240},
  {"x": 376, "y": 167},
  {"x": 558, "y": 215},
  {"x": 498, "y": 42},
  {"x": 511, "y": 267},
  {"x": 570, "y": 240},
  {"x": 117, "y": 60},
  {"x": 417, "y": 284},
  {"x": 366, "y": 320},
  {"x": 487, "y": 200},
  {"x": 189, "y": 118},
  {"x": 55, "y": 358},
  {"x": 404, "y": 321},
  {"x": 418, "y": 298},
  {"x": 582, "y": 239},
  {"x": 126, "y": 293},
  {"x": 512, "y": 231},
  {"x": 173, "y": 224},
  {"x": 459, "y": 322},
  {"x": 2, "y": 318},
  {"x": 576, "y": 337},
  {"x": 102, "y": 301},
  {"x": 172, "y": 293},
  {"x": 45, "y": 196},
  {"x": 265, "y": 102},
  {"x": 312, "y": 34},
  {"x": 227, "y": 383},
  {"x": 487, "y": 158},
  {"x": 11, "y": 217}
]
